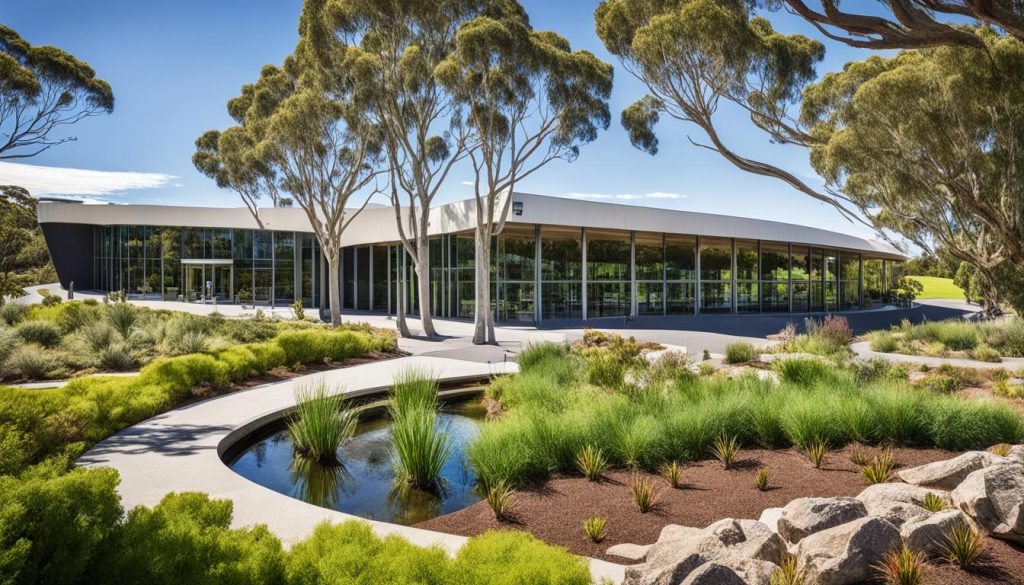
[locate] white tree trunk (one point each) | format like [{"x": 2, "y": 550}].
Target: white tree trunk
[
  {"x": 483, "y": 315},
  {"x": 333, "y": 288},
  {"x": 400, "y": 291},
  {"x": 423, "y": 281}
]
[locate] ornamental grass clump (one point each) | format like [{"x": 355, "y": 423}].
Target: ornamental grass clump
[
  {"x": 591, "y": 463},
  {"x": 789, "y": 572},
  {"x": 761, "y": 480},
  {"x": 320, "y": 423},
  {"x": 501, "y": 499},
  {"x": 725, "y": 448},
  {"x": 879, "y": 470},
  {"x": 594, "y": 528},
  {"x": 421, "y": 446},
  {"x": 740, "y": 352},
  {"x": 902, "y": 567},
  {"x": 934, "y": 502},
  {"x": 1002, "y": 449},
  {"x": 963, "y": 546},
  {"x": 672, "y": 472},
  {"x": 816, "y": 451},
  {"x": 643, "y": 493}
]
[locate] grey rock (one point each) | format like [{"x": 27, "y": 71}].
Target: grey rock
[
  {"x": 948, "y": 474},
  {"x": 732, "y": 572},
  {"x": 929, "y": 534},
  {"x": 845, "y": 554},
  {"x": 770, "y": 518},
  {"x": 1016, "y": 454},
  {"x": 897, "y": 502},
  {"x": 994, "y": 498},
  {"x": 676, "y": 531},
  {"x": 633, "y": 552},
  {"x": 804, "y": 516}
]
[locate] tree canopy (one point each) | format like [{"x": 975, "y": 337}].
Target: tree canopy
[{"x": 42, "y": 89}]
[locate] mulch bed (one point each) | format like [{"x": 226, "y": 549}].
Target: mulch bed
[{"x": 555, "y": 511}]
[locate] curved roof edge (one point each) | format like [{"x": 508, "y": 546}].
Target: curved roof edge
[{"x": 377, "y": 224}]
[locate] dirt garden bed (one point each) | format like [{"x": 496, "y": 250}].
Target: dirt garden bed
[{"x": 555, "y": 511}]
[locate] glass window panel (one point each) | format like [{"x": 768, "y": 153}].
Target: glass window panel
[
  {"x": 680, "y": 257},
  {"x": 849, "y": 266},
  {"x": 517, "y": 302},
  {"x": 774, "y": 297},
  {"x": 873, "y": 280},
  {"x": 650, "y": 262},
  {"x": 817, "y": 298},
  {"x": 715, "y": 259},
  {"x": 194, "y": 243},
  {"x": 747, "y": 300},
  {"x": 650, "y": 298},
  {"x": 170, "y": 246},
  {"x": 774, "y": 261},
  {"x": 518, "y": 253},
  {"x": 561, "y": 254},
  {"x": 801, "y": 263},
  {"x": 608, "y": 255},
  {"x": 681, "y": 297},
  {"x": 284, "y": 267},
  {"x": 817, "y": 263},
  {"x": 220, "y": 243},
  {"x": 561, "y": 301},
  {"x": 831, "y": 296},
  {"x": 849, "y": 295},
  {"x": 380, "y": 278},
  {"x": 801, "y": 297},
  {"x": 715, "y": 297},
  {"x": 831, "y": 265},
  {"x": 607, "y": 299},
  {"x": 363, "y": 278},
  {"x": 746, "y": 260}
]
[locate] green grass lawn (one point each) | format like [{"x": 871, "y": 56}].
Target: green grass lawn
[{"x": 938, "y": 288}]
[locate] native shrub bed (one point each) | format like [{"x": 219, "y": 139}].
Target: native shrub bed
[
  {"x": 80, "y": 337},
  {"x": 986, "y": 340},
  {"x": 553, "y": 412}
]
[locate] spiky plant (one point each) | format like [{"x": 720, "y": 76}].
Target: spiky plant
[
  {"x": 594, "y": 528},
  {"x": 860, "y": 457},
  {"x": 789, "y": 572},
  {"x": 412, "y": 389},
  {"x": 963, "y": 546},
  {"x": 643, "y": 493},
  {"x": 591, "y": 462},
  {"x": 501, "y": 498},
  {"x": 1002, "y": 449},
  {"x": 816, "y": 451},
  {"x": 762, "y": 479},
  {"x": 901, "y": 567},
  {"x": 878, "y": 471},
  {"x": 934, "y": 502},
  {"x": 320, "y": 423},
  {"x": 725, "y": 448},
  {"x": 421, "y": 448},
  {"x": 673, "y": 474}
]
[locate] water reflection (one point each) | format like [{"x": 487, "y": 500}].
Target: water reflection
[{"x": 319, "y": 484}]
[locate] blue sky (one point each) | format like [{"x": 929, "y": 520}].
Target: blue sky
[{"x": 174, "y": 65}]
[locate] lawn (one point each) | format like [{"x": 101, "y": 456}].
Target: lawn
[{"x": 938, "y": 288}]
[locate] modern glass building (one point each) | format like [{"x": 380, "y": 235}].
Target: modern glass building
[{"x": 555, "y": 259}]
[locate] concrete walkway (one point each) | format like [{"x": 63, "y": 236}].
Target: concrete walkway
[
  {"x": 181, "y": 451},
  {"x": 863, "y": 350}
]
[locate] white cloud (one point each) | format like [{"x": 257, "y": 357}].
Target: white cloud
[
  {"x": 40, "y": 180},
  {"x": 468, "y": 183},
  {"x": 626, "y": 196}
]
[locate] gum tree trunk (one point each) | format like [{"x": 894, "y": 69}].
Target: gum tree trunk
[
  {"x": 333, "y": 289},
  {"x": 423, "y": 279},
  {"x": 483, "y": 317}
]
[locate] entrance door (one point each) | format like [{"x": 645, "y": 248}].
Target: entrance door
[
  {"x": 195, "y": 282},
  {"x": 205, "y": 282}
]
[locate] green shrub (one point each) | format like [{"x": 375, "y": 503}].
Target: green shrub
[
  {"x": 516, "y": 558},
  {"x": 591, "y": 463},
  {"x": 594, "y": 528},
  {"x": 187, "y": 538},
  {"x": 739, "y": 352},
  {"x": 116, "y": 357},
  {"x": 31, "y": 362},
  {"x": 122, "y": 317},
  {"x": 44, "y": 333},
  {"x": 420, "y": 448},
  {"x": 883, "y": 341},
  {"x": 500, "y": 498},
  {"x": 9, "y": 340},
  {"x": 312, "y": 345},
  {"x": 50, "y": 300},
  {"x": 320, "y": 423},
  {"x": 98, "y": 336},
  {"x": 642, "y": 490},
  {"x": 535, "y": 353},
  {"x": 413, "y": 389},
  {"x": 983, "y": 352},
  {"x": 14, "y": 312},
  {"x": 51, "y": 527},
  {"x": 248, "y": 330},
  {"x": 351, "y": 553},
  {"x": 190, "y": 342},
  {"x": 802, "y": 371},
  {"x": 606, "y": 370}
]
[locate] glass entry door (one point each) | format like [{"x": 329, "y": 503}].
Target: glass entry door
[{"x": 206, "y": 282}]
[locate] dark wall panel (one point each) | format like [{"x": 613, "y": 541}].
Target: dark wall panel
[{"x": 70, "y": 246}]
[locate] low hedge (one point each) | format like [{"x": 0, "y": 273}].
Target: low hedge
[
  {"x": 36, "y": 424},
  {"x": 70, "y": 529}
]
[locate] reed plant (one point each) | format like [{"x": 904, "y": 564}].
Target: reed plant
[
  {"x": 963, "y": 546},
  {"x": 413, "y": 389},
  {"x": 420, "y": 446},
  {"x": 320, "y": 423}
]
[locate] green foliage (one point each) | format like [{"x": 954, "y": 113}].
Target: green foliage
[
  {"x": 934, "y": 502},
  {"x": 762, "y": 479},
  {"x": 739, "y": 352},
  {"x": 43, "y": 333},
  {"x": 963, "y": 546},
  {"x": 51, "y": 526},
  {"x": 31, "y": 362},
  {"x": 322, "y": 420},
  {"x": 298, "y": 311},
  {"x": 594, "y": 528},
  {"x": 802, "y": 371},
  {"x": 312, "y": 346},
  {"x": 187, "y": 538},
  {"x": 985, "y": 353},
  {"x": 413, "y": 389},
  {"x": 421, "y": 447},
  {"x": 725, "y": 448},
  {"x": 878, "y": 471},
  {"x": 816, "y": 451},
  {"x": 536, "y": 353},
  {"x": 514, "y": 558},
  {"x": 14, "y": 312},
  {"x": 591, "y": 463},
  {"x": 122, "y": 317},
  {"x": 902, "y": 567},
  {"x": 50, "y": 300},
  {"x": 642, "y": 490},
  {"x": 673, "y": 474},
  {"x": 500, "y": 498},
  {"x": 883, "y": 341},
  {"x": 116, "y": 357},
  {"x": 789, "y": 572}
]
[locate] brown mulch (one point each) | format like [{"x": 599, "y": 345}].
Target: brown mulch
[{"x": 555, "y": 511}]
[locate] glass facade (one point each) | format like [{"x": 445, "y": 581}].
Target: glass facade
[{"x": 538, "y": 272}]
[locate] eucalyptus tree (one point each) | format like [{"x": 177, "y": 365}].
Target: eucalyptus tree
[
  {"x": 43, "y": 89},
  {"x": 528, "y": 99},
  {"x": 390, "y": 49},
  {"x": 314, "y": 144}
]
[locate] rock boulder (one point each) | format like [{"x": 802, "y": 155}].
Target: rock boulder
[
  {"x": 928, "y": 535},
  {"x": 994, "y": 498},
  {"x": 845, "y": 554},
  {"x": 804, "y": 516},
  {"x": 948, "y": 474},
  {"x": 732, "y": 572},
  {"x": 897, "y": 502}
]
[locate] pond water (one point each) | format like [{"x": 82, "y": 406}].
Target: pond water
[{"x": 364, "y": 485}]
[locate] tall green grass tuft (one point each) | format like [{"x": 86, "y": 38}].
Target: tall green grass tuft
[
  {"x": 420, "y": 446},
  {"x": 739, "y": 352},
  {"x": 320, "y": 423}
]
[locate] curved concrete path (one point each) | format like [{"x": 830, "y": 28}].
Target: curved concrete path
[
  {"x": 181, "y": 450},
  {"x": 863, "y": 350}
]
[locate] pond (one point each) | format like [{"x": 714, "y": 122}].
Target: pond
[{"x": 364, "y": 485}]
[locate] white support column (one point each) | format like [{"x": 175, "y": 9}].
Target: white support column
[
  {"x": 790, "y": 246},
  {"x": 696, "y": 285},
  {"x": 733, "y": 275},
  {"x": 583, "y": 296},
  {"x": 538, "y": 314},
  {"x": 632, "y": 274},
  {"x": 369, "y": 284}
]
